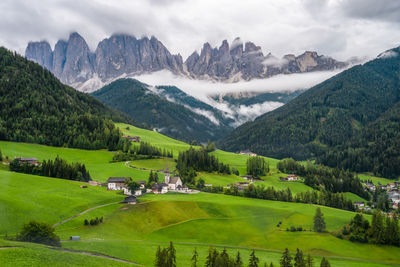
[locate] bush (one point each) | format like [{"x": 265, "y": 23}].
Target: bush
[{"x": 38, "y": 232}]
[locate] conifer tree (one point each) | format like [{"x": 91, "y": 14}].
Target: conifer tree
[
  {"x": 286, "y": 259},
  {"x": 238, "y": 260},
  {"x": 299, "y": 259},
  {"x": 325, "y": 263},
  {"x": 171, "y": 255},
  {"x": 319, "y": 221},
  {"x": 253, "y": 260},
  {"x": 309, "y": 261},
  {"x": 195, "y": 258}
]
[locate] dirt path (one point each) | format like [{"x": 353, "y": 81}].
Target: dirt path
[
  {"x": 83, "y": 212},
  {"x": 96, "y": 255},
  {"x": 7, "y": 247}
]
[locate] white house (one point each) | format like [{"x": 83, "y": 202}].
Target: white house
[
  {"x": 117, "y": 183},
  {"x": 174, "y": 183},
  {"x": 160, "y": 188}
]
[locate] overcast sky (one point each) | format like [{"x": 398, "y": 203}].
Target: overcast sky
[{"x": 339, "y": 28}]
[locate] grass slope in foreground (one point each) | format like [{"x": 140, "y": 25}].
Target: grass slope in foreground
[
  {"x": 25, "y": 197},
  {"x": 222, "y": 220},
  {"x": 33, "y": 255}
]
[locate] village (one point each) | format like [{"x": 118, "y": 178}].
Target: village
[{"x": 170, "y": 184}]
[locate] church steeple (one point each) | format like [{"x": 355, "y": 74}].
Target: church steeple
[{"x": 166, "y": 175}]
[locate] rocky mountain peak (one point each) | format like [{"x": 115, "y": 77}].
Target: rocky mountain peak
[
  {"x": 41, "y": 53},
  {"x": 122, "y": 54}
]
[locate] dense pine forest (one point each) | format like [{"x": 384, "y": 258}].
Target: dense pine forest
[
  {"x": 349, "y": 121},
  {"x": 38, "y": 108}
]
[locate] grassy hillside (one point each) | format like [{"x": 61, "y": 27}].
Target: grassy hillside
[
  {"x": 25, "y": 197},
  {"x": 156, "y": 111},
  {"x": 221, "y": 220},
  {"x": 97, "y": 162},
  {"x": 349, "y": 121},
  {"x": 33, "y": 255},
  {"x": 35, "y": 107}
]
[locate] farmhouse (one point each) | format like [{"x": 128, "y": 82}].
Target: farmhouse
[
  {"x": 370, "y": 186},
  {"x": 359, "y": 204},
  {"x": 241, "y": 185},
  {"x": 117, "y": 183},
  {"x": 29, "y": 161},
  {"x": 248, "y": 153},
  {"x": 130, "y": 200},
  {"x": 290, "y": 177},
  {"x": 132, "y": 138},
  {"x": 161, "y": 188}
]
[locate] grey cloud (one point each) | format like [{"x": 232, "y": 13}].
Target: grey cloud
[
  {"x": 385, "y": 10},
  {"x": 339, "y": 28}
]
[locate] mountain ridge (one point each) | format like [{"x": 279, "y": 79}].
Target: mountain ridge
[
  {"x": 122, "y": 54},
  {"x": 339, "y": 122}
]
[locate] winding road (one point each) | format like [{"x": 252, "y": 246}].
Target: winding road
[{"x": 83, "y": 212}]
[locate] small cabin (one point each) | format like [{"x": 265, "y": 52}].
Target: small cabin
[
  {"x": 359, "y": 204},
  {"x": 29, "y": 161},
  {"x": 130, "y": 200},
  {"x": 75, "y": 238}
]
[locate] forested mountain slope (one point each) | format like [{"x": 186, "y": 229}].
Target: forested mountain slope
[
  {"x": 36, "y": 107},
  {"x": 178, "y": 118},
  {"x": 351, "y": 120}
]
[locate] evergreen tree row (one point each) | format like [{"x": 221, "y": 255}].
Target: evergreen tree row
[
  {"x": 200, "y": 160},
  {"x": 331, "y": 179},
  {"x": 323, "y": 197},
  {"x": 166, "y": 257},
  {"x": 58, "y": 168},
  {"x": 383, "y": 230},
  {"x": 256, "y": 166}
]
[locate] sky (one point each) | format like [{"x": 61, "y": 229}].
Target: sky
[{"x": 338, "y": 28}]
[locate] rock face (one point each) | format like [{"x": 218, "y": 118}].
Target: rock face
[
  {"x": 74, "y": 64},
  {"x": 249, "y": 63}
]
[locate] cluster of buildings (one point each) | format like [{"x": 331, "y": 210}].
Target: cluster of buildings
[
  {"x": 173, "y": 184},
  {"x": 392, "y": 190}
]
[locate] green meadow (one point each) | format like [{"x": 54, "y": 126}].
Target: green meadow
[
  {"x": 227, "y": 221},
  {"x": 376, "y": 180},
  {"x": 98, "y": 162},
  {"x": 25, "y": 197},
  {"x": 133, "y": 232},
  {"x": 34, "y": 255}
]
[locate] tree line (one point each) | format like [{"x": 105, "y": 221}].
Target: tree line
[
  {"x": 166, "y": 257},
  {"x": 200, "y": 160},
  {"x": 143, "y": 151},
  {"x": 322, "y": 197},
  {"x": 57, "y": 168},
  {"x": 331, "y": 179},
  {"x": 383, "y": 230},
  {"x": 256, "y": 166}
]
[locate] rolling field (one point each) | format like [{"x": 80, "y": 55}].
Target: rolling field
[
  {"x": 25, "y": 197},
  {"x": 96, "y": 161},
  {"x": 221, "y": 220},
  {"x": 376, "y": 180}
]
